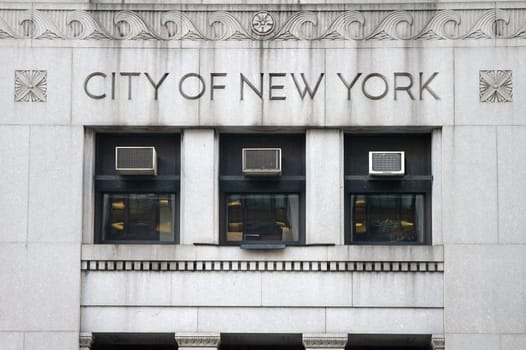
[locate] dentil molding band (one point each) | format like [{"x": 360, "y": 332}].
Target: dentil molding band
[
  {"x": 262, "y": 266},
  {"x": 263, "y": 25}
]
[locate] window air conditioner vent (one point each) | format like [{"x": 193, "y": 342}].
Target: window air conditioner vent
[
  {"x": 135, "y": 160},
  {"x": 261, "y": 161},
  {"x": 389, "y": 163}
]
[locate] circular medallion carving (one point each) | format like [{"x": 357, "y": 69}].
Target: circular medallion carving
[{"x": 262, "y": 23}]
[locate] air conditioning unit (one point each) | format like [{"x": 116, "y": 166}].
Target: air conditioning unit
[
  {"x": 261, "y": 161},
  {"x": 388, "y": 163},
  {"x": 136, "y": 160}
]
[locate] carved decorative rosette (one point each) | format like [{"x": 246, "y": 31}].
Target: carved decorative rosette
[
  {"x": 495, "y": 86},
  {"x": 263, "y": 25},
  {"x": 30, "y": 86}
]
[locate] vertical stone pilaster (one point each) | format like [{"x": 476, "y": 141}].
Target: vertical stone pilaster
[
  {"x": 197, "y": 341},
  {"x": 325, "y": 341},
  {"x": 324, "y": 180},
  {"x": 85, "y": 341},
  {"x": 199, "y": 187},
  {"x": 438, "y": 342}
]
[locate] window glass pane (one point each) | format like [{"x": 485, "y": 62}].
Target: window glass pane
[
  {"x": 138, "y": 217},
  {"x": 262, "y": 217},
  {"x": 388, "y": 217}
]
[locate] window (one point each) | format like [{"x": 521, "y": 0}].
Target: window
[
  {"x": 136, "y": 205},
  {"x": 262, "y": 184},
  {"x": 393, "y": 209}
]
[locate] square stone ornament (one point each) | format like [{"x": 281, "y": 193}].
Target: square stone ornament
[
  {"x": 30, "y": 86},
  {"x": 495, "y": 86}
]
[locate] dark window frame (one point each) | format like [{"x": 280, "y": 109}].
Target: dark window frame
[
  {"x": 232, "y": 181},
  {"x": 107, "y": 181},
  {"x": 418, "y": 178}
]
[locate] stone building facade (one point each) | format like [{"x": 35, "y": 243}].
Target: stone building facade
[{"x": 321, "y": 253}]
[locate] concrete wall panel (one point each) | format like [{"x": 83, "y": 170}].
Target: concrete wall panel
[
  {"x": 41, "y": 287},
  {"x": 472, "y": 341},
  {"x": 134, "y": 288},
  {"x": 11, "y": 341},
  {"x": 469, "y": 176},
  {"x": 55, "y": 187},
  {"x": 199, "y": 196},
  {"x": 512, "y": 184},
  {"x": 14, "y": 152},
  {"x": 324, "y": 202},
  {"x": 138, "y": 319},
  {"x": 216, "y": 289},
  {"x": 55, "y": 341},
  {"x": 398, "y": 290},
  {"x": 385, "y": 320},
  {"x": 307, "y": 289},
  {"x": 261, "y": 320},
  {"x": 512, "y": 341},
  {"x": 485, "y": 288}
]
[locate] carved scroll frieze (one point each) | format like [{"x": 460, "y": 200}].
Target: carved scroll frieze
[
  {"x": 436, "y": 28},
  {"x": 390, "y": 26},
  {"x": 132, "y": 27},
  {"x": 264, "y": 25},
  {"x": 89, "y": 28},
  {"x": 179, "y": 26},
  {"x": 484, "y": 28},
  {"x": 232, "y": 28},
  {"x": 5, "y": 30},
  {"x": 347, "y": 26},
  {"x": 294, "y": 27},
  {"x": 42, "y": 25}
]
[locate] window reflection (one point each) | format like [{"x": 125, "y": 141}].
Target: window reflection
[
  {"x": 262, "y": 217},
  {"x": 388, "y": 217},
  {"x": 138, "y": 216}
]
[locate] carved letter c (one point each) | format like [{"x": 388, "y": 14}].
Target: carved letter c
[{"x": 88, "y": 78}]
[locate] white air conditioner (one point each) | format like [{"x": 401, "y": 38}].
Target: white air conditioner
[
  {"x": 388, "y": 163},
  {"x": 136, "y": 160},
  {"x": 261, "y": 161}
]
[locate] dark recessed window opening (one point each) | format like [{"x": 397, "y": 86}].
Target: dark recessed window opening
[
  {"x": 138, "y": 216},
  {"x": 388, "y": 207},
  {"x": 388, "y": 217},
  {"x": 137, "y": 202},
  {"x": 263, "y": 217},
  {"x": 262, "y": 201}
]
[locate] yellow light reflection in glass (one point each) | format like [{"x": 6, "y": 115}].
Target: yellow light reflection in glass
[
  {"x": 119, "y": 205},
  {"x": 119, "y": 226}
]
